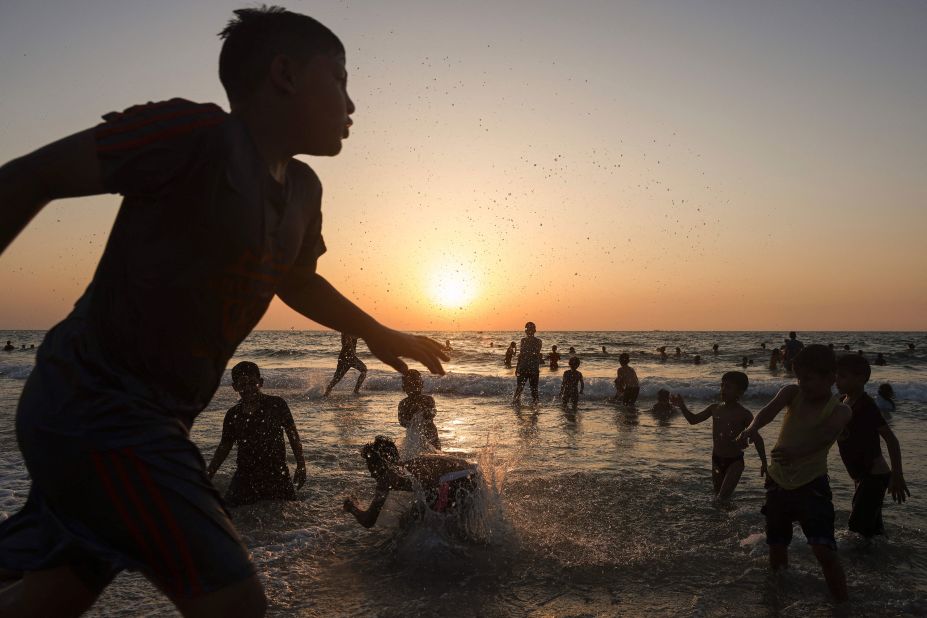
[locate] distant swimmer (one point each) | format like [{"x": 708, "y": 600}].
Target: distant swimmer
[
  {"x": 911, "y": 346},
  {"x": 572, "y": 385},
  {"x": 257, "y": 424},
  {"x": 792, "y": 347},
  {"x": 627, "y": 386},
  {"x": 678, "y": 352},
  {"x": 745, "y": 362},
  {"x": 728, "y": 420},
  {"x": 9, "y": 347},
  {"x": 529, "y": 364},
  {"x": 846, "y": 347},
  {"x": 697, "y": 359},
  {"x": 604, "y": 351},
  {"x": 448, "y": 482},
  {"x": 509, "y": 353},
  {"x": 347, "y": 359},
  {"x": 447, "y": 345},
  {"x": 763, "y": 345},
  {"x": 554, "y": 358},
  {"x": 417, "y": 414},
  {"x": 714, "y": 348},
  {"x": 663, "y": 407},
  {"x": 859, "y": 352},
  {"x": 572, "y": 351},
  {"x": 662, "y": 351},
  {"x": 879, "y": 360}
]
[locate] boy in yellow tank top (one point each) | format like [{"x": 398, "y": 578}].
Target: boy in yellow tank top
[{"x": 797, "y": 486}]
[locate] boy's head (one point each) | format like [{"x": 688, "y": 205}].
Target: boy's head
[
  {"x": 290, "y": 68},
  {"x": 733, "y": 386},
  {"x": 574, "y": 362},
  {"x": 792, "y": 335},
  {"x": 246, "y": 378},
  {"x": 853, "y": 371},
  {"x": 815, "y": 367},
  {"x": 624, "y": 359},
  {"x": 554, "y": 348},
  {"x": 378, "y": 454},
  {"x": 512, "y": 345},
  {"x": 663, "y": 395},
  {"x": 530, "y": 329},
  {"x": 887, "y": 391},
  {"x": 412, "y": 382}
]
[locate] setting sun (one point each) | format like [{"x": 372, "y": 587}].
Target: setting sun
[{"x": 452, "y": 286}]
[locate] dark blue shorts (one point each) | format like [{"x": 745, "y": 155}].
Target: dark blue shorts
[
  {"x": 116, "y": 486},
  {"x": 811, "y": 505}
]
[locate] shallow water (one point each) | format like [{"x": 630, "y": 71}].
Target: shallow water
[{"x": 605, "y": 512}]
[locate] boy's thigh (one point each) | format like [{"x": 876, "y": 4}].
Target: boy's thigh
[
  {"x": 242, "y": 599},
  {"x": 58, "y": 591},
  {"x": 815, "y": 509},
  {"x": 779, "y": 513},
  {"x": 865, "y": 517}
]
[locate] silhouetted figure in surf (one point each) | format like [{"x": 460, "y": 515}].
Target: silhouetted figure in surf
[
  {"x": 792, "y": 347},
  {"x": 911, "y": 346},
  {"x": 678, "y": 352},
  {"x": 880, "y": 360},
  {"x": 627, "y": 386},
  {"x": 448, "y": 482},
  {"x": 528, "y": 367},
  {"x": 662, "y": 351},
  {"x": 447, "y": 345},
  {"x": 663, "y": 409},
  {"x": 697, "y": 359},
  {"x": 347, "y": 359},
  {"x": 554, "y": 358},
  {"x": 9, "y": 347},
  {"x": 509, "y": 353},
  {"x": 417, "y": 414},
  {"x": 775, "y": 357},
  {"x": 218, "y": 218},
  {"x": 257, "y": 424},
  {"x": 714, "y": 348},
  {"x": 572, "y": 385}
]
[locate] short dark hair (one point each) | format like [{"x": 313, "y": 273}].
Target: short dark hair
[
  {"x": 254, "y": 36},
  {"x": 574, "y": 362},
  {"x": 412, "y": 380},
  {"x": 245, "y": 367},
  {"x": 378, "y": 453},
  {"x": 624, "y": 358},
  {"x": 663, "y": 394},
  {"x": 854, "y": 364},
  {"x": 738, "y": 378},
  {"x": 815, "y": 358}
]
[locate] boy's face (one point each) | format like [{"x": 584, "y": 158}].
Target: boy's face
[
  {"x": 321, "y": 107},
  {"x": 815, "y": 385},
  {"x": 246, "y": 384},
  {"x": 848, "y": 382},
  {"x": 730, "y": 392}
]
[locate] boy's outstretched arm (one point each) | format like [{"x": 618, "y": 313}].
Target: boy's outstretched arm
[
  {"x": 299, "y": 476},
  {"x": 897, "y": 486},
  {"x": 66, "y": 168},
  {"x": 765, "y": 416},
  {"x": 222, "y": 451},
  {"x": 318, "y": 300},
  {"x": 693, "y": 419}
]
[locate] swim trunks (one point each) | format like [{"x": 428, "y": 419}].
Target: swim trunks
[
  {"x": 719, "y": 465},
  {"x": 811, "y": 505},
  {"x": 866, "y": 516}
]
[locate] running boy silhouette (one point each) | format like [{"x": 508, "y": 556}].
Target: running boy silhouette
[
  {"x": 572, "y": 384},
  {"x": 797, "y": 485},
  {"x": 728, "y": 419},
  {"x": 217, "y": 218},
  {"x": 347, "y": 359},
  {"x": 257, "y": 424}
]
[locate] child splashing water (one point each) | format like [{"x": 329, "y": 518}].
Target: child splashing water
[{"x": 417, "y": 414}]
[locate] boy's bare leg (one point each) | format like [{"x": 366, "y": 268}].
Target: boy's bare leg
[
  {"x": 731, "y": 479},
  {"x": 242, "y": 599},
  {"x": 778, "y": 557},
  {"x": 52, "y": 592},
  {"x": 360, "y": 380},
  {"x": 833, "y": 571}
]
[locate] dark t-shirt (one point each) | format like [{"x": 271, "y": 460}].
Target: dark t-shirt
[
  {"x": 260, "y": 437},
  {"x": 571, "y": 378},
  {"x": 529, "y": 358},
  {"x": 201, "y": 242},
  {"x": 792, "y": 348},
  {"x": 414, "y": 403},
  {"x": 859, "y": 443}
]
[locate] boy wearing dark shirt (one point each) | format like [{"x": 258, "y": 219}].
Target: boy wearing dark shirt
[
  {"x": 257, "y": 424},
  {"x": 861, "y": 452},
  {"x": 217, "y": 218},
  {"x": 572, "y": 384}
]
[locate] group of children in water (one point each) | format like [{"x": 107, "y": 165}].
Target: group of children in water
[{"x": 797, "y": 483}]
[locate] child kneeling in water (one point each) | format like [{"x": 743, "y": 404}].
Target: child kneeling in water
[{"x": 447, "y": 481}]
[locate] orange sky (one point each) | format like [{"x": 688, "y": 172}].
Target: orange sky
[{"x": 620, "y": 167}]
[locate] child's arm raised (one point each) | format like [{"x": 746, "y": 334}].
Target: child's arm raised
[
  {"x": 693, "y": 419},
  {"x": 896, "y": 485},
  {"x": 318, "y": 300},
  {"x": 62, "y": 169},
  {"x": 765, "y": 416}
]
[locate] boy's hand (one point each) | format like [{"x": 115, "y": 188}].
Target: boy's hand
[
  {"x": 749, "y": 434},
  {"x": 763, "y": 470},
  {"x": 898, "y": 488},
  {"x": 784, "y": 455},
  {"x": 389, "y": 345},
  {"x": 299, "y": 477}
]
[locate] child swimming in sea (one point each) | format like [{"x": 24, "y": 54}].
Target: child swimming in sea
[
  {"x": 663, "y": 407},
  {"x": 417, "y": 414}
]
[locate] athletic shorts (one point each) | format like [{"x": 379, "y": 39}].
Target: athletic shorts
[
  {"x": 116, "y": 486},
  {"x": 811, "y": 505},
  {"x": 866, "y": 517},
  {"x": 629, "y": 395}
]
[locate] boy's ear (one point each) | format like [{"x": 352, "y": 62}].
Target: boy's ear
[{"x": 282, "y": 73}]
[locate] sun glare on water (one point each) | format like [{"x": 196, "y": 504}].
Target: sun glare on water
[{"x": 452, "y": 286}]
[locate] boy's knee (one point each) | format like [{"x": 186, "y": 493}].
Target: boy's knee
[
  {"x": 825, "y": 554},
  {"x": 244, "y": 599}
]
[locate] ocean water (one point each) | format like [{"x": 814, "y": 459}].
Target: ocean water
[{"x": 605, "y": 512}]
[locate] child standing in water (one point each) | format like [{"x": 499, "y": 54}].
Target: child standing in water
[
  {"x": 417, "y": 414},
  {"x": 797, "y": 485},
  {"x": 554, "y": 358},
  {"x": 626, "y": 384},
  {"x": 861, "y": 452},
  {"x": 509, "y": 353},
  {"x": 572, "y": 384},
  {"x": 529, "y": 362},
  {"x": 728, "y": 419}
]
